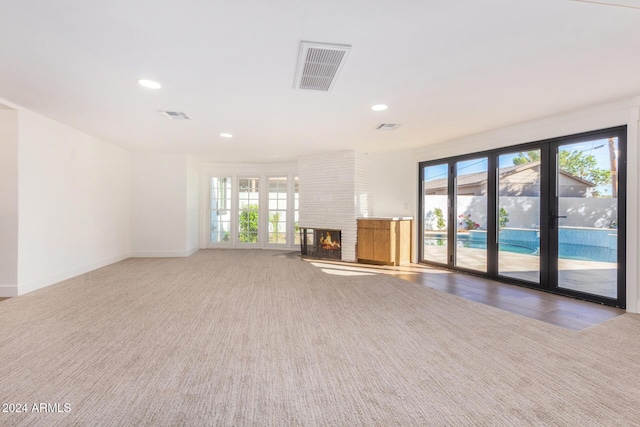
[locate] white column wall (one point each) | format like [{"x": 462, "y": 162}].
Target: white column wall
[
  {"x": 193, "y": 204},
  {"x": 159, "y": 205},
  {"x": 335, "y": 190},
  {"x": 73, "y": 202},
  {"x": 8, "y": 202}
]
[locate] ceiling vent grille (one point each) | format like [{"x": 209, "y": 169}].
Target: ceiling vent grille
[
  {"x": 388, "y": 126},
  {"x": 319, "y": 65},
  {"x": 175, "y": 115}
]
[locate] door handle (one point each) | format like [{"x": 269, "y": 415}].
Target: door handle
[{"x": 553, "y": 218}]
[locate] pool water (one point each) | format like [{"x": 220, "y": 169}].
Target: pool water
[
  {"x": 587, "y": 253},
  {"x": 566, "y": 250}
]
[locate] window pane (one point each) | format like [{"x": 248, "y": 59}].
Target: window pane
[
  {"x": 435, "y": 211},
  {"x": 277, "y": 233},
  {"x": 471, "y": 202},
  {"x": 248, "y": 210},
  {"x": 587, "y": 177},
  {"x": 220, "y": 213},
  {"x": 519, "y": 215}
]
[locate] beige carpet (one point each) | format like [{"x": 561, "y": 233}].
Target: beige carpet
[{"x": 262, "y": 338}]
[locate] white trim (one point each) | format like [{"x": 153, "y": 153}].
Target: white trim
[
  {"x": 164, "y": 254},
  {"x": 266, "y": 248},
  {"x": 47, "y": 281},
  {"x": 192, "y": 251},
  {"x": 633, "y": 196}
]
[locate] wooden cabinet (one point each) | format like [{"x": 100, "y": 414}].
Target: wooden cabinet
[{"x": 384, "y": 240}]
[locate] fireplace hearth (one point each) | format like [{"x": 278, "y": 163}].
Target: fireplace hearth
[{"x": 321, "y": 243}]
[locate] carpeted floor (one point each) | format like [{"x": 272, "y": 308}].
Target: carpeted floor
[{"x": 251, "y": 337}]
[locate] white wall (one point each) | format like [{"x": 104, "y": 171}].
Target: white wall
[
  {"x": 623, "y": 112},
  {"x": 73, "y": 202},
  {"x": 390, "y": 194},
  {"x": 159, "y": 205},
  {"x": 83, "y": 203},
  {"x": 193, "y": 204},
  {"x": 8, "y": 201}
]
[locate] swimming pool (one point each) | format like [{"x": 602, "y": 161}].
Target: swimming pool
[
  {"x": 579, "y": 243},
  {"x": 566, "y": 250}
]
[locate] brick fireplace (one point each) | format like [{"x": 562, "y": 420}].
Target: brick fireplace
[{"x": 334, "y": 192}]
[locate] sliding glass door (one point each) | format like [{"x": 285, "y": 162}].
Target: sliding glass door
[
  {"x": 585, "y": 217},
  {"x": 519, "y": 215},
  {"x": 471, "y": 213},
  {"x": 435, "y": 218},
  {"x": 548, "y": 215}
]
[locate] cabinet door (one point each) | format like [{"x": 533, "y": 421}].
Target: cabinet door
[
  {"x": 403, "y": 246},
  {"x": 382, "y": 245},
  {"x": 365, "y": 243}
]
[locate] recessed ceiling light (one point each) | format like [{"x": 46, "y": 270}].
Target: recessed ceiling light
[
  {"x": 379, "y": 107},
  {"x": 226, "y": 135},
  {"x": 149, "y": 84}
]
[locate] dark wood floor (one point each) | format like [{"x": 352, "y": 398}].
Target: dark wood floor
[{"x": 558, "y": 310}]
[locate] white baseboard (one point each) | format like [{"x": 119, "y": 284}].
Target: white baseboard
[
  {"x": 163, "y": 254},
  {"x": 15, "y": 290},
  {"x": 46, "y": 281},
  {"x": 192, "y": 251},
  {"x": 8, "y": 291}
]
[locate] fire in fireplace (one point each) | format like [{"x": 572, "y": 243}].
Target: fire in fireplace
[{"x": 320, "y": 243}]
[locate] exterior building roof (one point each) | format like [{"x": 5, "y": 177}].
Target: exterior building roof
[{"x": 481, "y": 177}]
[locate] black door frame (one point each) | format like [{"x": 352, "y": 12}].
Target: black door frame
[
  {"x": 553, "y": 228},
  {"x": 548, "y": 208}
]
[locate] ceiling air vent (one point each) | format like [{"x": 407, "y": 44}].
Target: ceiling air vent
[
  {"x": 175, "y": 115},
  {"x": 319, "y": 65},
  {"x": 388, "y": 126}
]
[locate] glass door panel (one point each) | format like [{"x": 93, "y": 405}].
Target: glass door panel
[
  {"x": 277, "y": 233},
  {"x": 248, "y": 210},
  {"x": 220, "y": 211},
  {"x": 296, "y": 211},
  {"x": 471, "y": 214},
  {"x": 519, "y": 215},
  {"x": 435, "y": 213},
  {"x": 586, "y": 219}
]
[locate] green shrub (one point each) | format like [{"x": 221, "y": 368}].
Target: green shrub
[
  {"x": 440, "y": 224},
  {"x": 503, "y": 218},
  {"x": 249, "y": 224}
]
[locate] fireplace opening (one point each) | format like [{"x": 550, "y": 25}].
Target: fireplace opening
[{"x": 321, "y": 243}]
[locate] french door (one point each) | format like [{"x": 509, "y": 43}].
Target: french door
[
  {"x": 258, "y": 210},
  {"x": 548, "y": 215}
]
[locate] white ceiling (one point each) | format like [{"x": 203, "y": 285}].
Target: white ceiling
[{"x": 445, "y": 68}]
